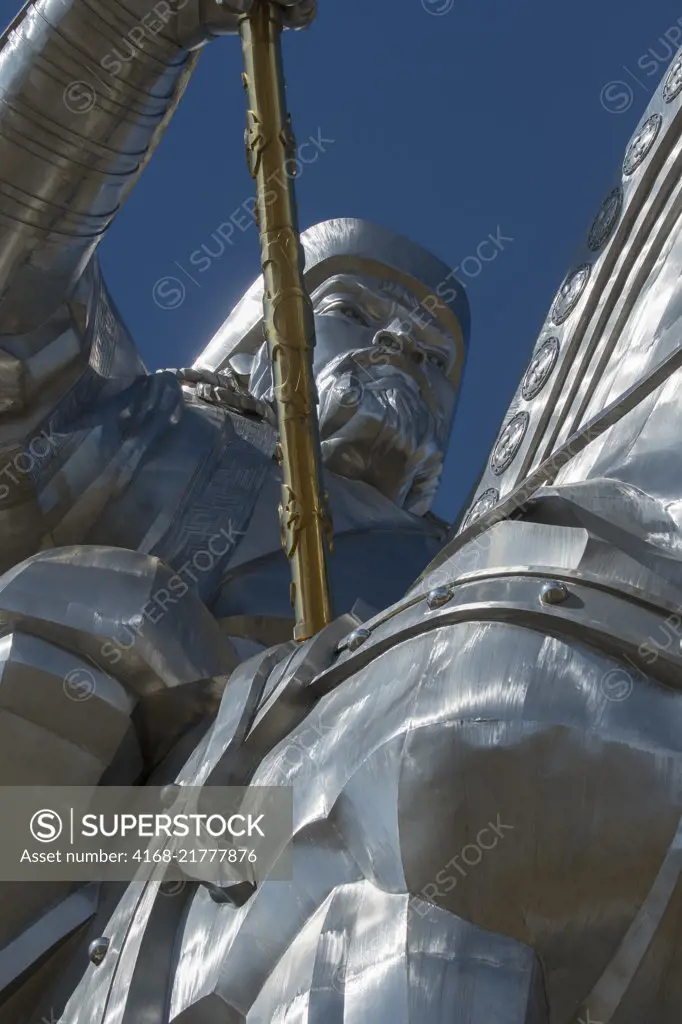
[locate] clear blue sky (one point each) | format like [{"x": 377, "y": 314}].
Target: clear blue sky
[{"x": 445, "y": 127}]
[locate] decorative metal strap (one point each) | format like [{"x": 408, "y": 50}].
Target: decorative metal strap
[
  {"x": 570, "y": 605},
  {"x": 548, "y": 470}
]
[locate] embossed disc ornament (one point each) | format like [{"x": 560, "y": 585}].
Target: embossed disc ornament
[
  {"x": 569, "y": 293},
  {"x": 508, "y": 443},
  {"x": 673, "y": 81},
  {"x": 484, "y": 502},
  {"x": 540, "y": 368},
  {"x": 606, "y": 219},
  {"x": 642, "y": 144}
]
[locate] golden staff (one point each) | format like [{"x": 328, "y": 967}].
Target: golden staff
[{"x": 288, "y": 319}]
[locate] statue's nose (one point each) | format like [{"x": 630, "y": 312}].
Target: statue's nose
[{"x": 399, "y": 342}]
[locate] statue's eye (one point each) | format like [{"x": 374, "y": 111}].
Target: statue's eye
[
  {"x": 436, "y": 360},
  {"x": 349, "y": 312}
]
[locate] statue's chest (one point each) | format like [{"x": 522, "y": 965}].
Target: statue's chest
[
  {"x": 481, "y": 770},
  {"x": 493, "y": 771}
]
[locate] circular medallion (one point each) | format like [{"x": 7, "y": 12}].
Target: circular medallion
[
  {"x": 484, "y": 502},
  {"x": 606, "y": 219},
  {"x": 540, "y": 368},
  {"x": 569, "y": 293},
  {"x": 673, "y": 81},
  {"x": 508, "y": 443},
  {"x": 642, "y": 143}
]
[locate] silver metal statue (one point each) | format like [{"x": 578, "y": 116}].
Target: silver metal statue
[
  {"x": 97, "y": 452},
  {"x": 487, "y": 775}
]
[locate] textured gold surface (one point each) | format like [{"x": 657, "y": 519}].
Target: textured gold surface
[{"x": 289, "y": 321}]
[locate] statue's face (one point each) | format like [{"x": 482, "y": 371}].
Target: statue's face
[{"x": 383, "y": 369}]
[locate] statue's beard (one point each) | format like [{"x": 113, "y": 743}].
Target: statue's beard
[{"x": 375, "y": 426}]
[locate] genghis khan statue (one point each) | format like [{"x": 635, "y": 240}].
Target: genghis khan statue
[
  {"x": 200, "y": 486},
  {"x": 181, "y": 466},
  {"x": 388, "y": 359},
  {"x": 486, "y": 775}
]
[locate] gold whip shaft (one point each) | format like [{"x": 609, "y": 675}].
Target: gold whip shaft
[{"x": 288, "y": 318}]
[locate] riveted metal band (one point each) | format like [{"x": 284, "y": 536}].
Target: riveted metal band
[{"x": 618, "y": 622}]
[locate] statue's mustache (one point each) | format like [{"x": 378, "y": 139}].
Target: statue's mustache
[
  {"x": 374, "y": 425},
  {"x": 378, "y": 370},
  {"x": 357, "y": 385}
]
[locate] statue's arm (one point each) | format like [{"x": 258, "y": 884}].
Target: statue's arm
[
  {"x": 87, "y": 92},
  {"x": 77, "y": 126},
  {"x": 98, "y": 681}
]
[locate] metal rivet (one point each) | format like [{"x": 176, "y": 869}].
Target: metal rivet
[
  {"x": 438, "y": 597},
  {"x": 97, "y": 950},
  {"x": 553, "y": 592},
  {"x": 357, "y": 639}
]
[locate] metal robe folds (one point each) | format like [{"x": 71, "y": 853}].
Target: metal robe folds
[{"x": 288, "y": 318}]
